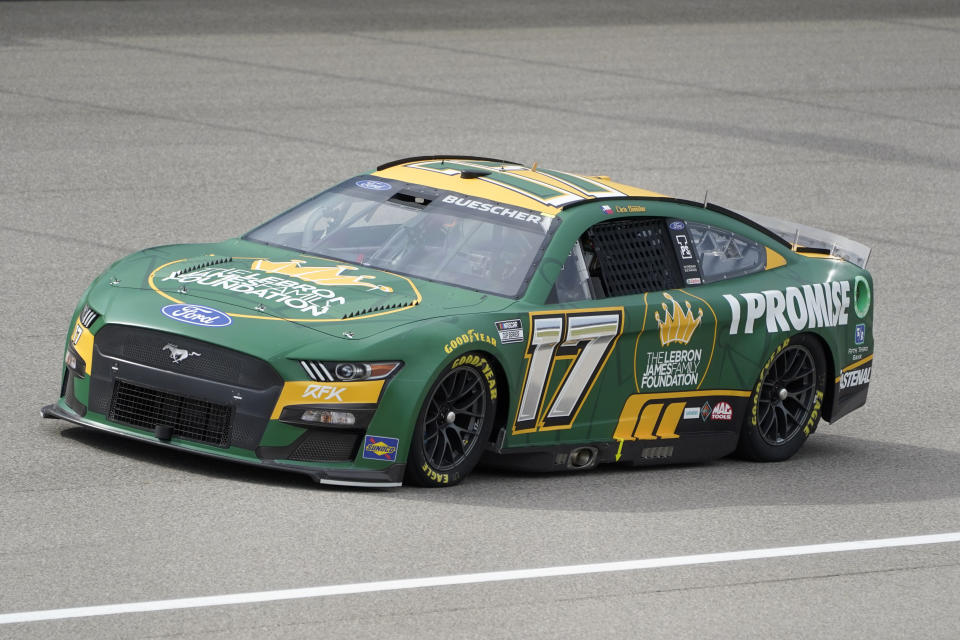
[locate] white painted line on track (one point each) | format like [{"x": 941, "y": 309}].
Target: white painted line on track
[{"x": 473, "y": 578}]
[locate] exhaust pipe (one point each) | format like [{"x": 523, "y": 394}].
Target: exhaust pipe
[{"x": 582, "y": 458}]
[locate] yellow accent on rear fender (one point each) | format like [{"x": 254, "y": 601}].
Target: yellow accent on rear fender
[{"x": 774, "y": 259}]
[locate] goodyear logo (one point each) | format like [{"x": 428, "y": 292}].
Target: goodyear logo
[{"x": 380, "y": 448}]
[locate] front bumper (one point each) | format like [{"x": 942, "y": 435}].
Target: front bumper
[
  {"x": 225, "y": 404},
  {"x": 390, "y": 477}
]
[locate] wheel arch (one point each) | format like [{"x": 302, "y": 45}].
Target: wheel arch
[
  {"x": 503, "y": 397},
  {"x": 829, "y": 390}
]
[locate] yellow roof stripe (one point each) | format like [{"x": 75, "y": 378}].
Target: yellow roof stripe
[{"x": 511, "y": 184}]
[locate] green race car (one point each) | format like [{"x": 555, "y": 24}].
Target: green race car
[{"x": 409, "y": 321}]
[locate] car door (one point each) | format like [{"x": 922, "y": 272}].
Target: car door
[{"x": 626, "y": 349}]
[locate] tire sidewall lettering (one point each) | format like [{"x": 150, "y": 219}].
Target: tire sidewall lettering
[
  {"x": 420, "y": 470},
  {"x": 755, "y": 405}
]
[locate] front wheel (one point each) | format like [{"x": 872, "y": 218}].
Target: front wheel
[
  {"x": 786, "y": 402},
  {"x": 454, "y": 423}
]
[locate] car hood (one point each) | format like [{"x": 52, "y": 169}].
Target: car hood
[{"x": 259, "y": 294}]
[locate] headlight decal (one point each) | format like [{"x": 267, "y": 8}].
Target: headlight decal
[{"x": 348, "y": 371}]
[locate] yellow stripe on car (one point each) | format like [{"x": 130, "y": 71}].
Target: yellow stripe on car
[
  {"x": 327, "y": 393},
  {"x": 82, "y": 340},
  {"x": 541, "y": 190}
]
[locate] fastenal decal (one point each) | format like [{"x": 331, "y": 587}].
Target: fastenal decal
[
  {"x": 855, "y": 378},
  {"x": 196, "y": 314},
  {"x": 806, "y": 307},
  {"x": 510, "y": 331},
  {"x": 380, "y": 448}
]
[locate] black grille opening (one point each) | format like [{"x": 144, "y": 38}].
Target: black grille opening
[
  {"x": 188, "y": 418},
  {"x": 204, "y": 360},
  {"x": 327, "y": 446},
  {"x": 636, "y": 256}
]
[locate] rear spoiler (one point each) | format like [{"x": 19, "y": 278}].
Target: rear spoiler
[{"x": 801, "y": 237}]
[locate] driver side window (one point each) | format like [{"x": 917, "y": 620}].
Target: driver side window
[{"x": 573, "y": 283}]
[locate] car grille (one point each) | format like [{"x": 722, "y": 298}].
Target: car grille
[
  {"x": 187, "y": 418},
  {"x": 206, "y": 361},
  {"x": 327, "y": 446}
]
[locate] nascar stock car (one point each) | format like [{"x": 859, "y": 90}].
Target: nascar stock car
[{"x": 411, "y": 320}]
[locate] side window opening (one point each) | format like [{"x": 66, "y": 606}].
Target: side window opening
[
  {"x": 724, "y": 254},
  {"x": 619, "y": 257},
  {"x": 635, "y": 255}
]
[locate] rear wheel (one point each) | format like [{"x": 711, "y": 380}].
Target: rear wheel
[
  {"x": 786, "y": 402},
  {"x": 454, "y": 423}
]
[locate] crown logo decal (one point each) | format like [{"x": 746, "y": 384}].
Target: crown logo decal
[
  {"x": 324, "y": 276},
  {"x": 677, "y": 326}
]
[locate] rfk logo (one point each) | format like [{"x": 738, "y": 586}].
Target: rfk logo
[{"x": 323, "y": 392}]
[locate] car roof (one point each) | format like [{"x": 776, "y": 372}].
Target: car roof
[{"x": 544, "y": 190}]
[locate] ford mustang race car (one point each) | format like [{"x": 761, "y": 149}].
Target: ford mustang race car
[{"x": 412, "y": 320}]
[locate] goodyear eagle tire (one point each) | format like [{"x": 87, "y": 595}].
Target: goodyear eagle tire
[
  {"x": 786, "y": 403},
  {"x": 454, "y": 423}
]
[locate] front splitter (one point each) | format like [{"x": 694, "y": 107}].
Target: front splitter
[{"x": 390, "y": 477}]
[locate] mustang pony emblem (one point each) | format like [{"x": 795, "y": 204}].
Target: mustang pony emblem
[
  {"x": 324, "y": 276},
  {"x": 177, "y": 354}
]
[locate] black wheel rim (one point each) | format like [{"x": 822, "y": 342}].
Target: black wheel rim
[
  {"x": 787, "y": 395},
  {"x": 454, "y": 418}
]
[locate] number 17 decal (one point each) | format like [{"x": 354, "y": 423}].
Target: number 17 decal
[{"x": 586, "y": 337}]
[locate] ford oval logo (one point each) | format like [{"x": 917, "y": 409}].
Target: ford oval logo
[
  {"x": 196, "y": 314},
  {"x": 374, "y": 185}
]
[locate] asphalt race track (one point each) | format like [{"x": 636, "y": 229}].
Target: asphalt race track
[{"x": 127, "y": 125}]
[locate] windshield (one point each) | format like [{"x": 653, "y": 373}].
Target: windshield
[{"x": 409, "y": 229}]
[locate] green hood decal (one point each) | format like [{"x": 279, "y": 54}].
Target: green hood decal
[
  {"x": 290, "y": 296},
  {"x": 300, "y": 288}
]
